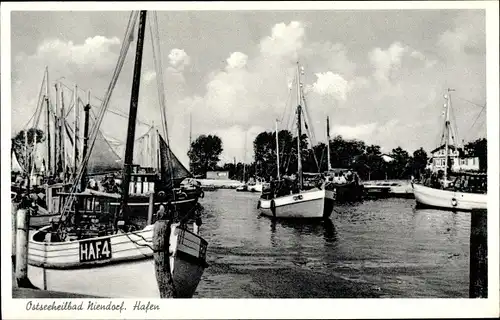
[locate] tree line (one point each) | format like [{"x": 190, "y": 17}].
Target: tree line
[{"x": 367, "y": 159}]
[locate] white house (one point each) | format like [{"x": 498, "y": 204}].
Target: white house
[{"x": 459, "y": 160}]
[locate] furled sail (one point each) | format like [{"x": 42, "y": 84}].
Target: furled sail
[{"x": 172, "y": 170}]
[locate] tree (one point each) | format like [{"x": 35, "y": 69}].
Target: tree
[
  {"x": 34, "y": 136},
  {"x": 401, "y": 166},
  {"x": 370, "y": 164},
  {"x": 419, "y": 162},
  {"x": 344, "y": 153},
  {"x": 204, "y": 154},
  {"x": 479, "y": 148},
  {"x": 265, "y": 153}
]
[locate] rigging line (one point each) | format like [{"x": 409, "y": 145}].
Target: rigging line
[
  {"x": 476, "y": 104},
  {"x": 474, "y": 123},
  {"x": 155, "y": 37},
  {"x": 38, "y": 103},
  {"x": 289, "y": 97},
  {"x": 113, "y": 111},
  {"x": 121, "y": 59},
  {"x": 455, "y": 129}
]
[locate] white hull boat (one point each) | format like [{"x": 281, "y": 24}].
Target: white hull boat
[
  {"x": 453, "y": 200},
  {"x": 255, "y": 188},
  {"x": 116, "y": 266},
  {"x": 308, "y": 204}
]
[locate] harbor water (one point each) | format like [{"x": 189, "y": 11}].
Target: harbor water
[
  {"x": 375, "y": 248},
  {"x": 378, "y": 248}
]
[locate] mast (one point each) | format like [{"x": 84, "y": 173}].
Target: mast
[
  {"x": 77, "y": 129},
  {"x": 190, "y": 129},
  {"x": 447, "y": 133},
  {"x": 277, "y": 151},
  {"x": 299, "y": 128},
  {"x": 245, "y": 158},
  {"x": 134, "y": 98},
  {"x": 48, "y": 169},
  {"x": 190, "y": 138},
  {"x": 62, "y": 141},
  {"x": 328, "y": 143},
  {"x": 57, "y": 131},
  {"x": 85, "y": 141},
  {"x": 26, "y": 162}
]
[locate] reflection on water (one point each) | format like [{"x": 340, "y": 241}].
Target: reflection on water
[{"x": 378, "y": 248}]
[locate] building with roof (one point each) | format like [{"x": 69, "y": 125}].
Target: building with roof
[{"x": 459, "y": 160}]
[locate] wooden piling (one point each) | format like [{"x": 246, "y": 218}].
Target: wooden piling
[
  {"x": 478, "y": 272},
  {"x": 13, "y": 211},
  {"x": 23, "y": 218},
  {"x": 161, "y": 245},
  {"x": 150, "y": 208}
]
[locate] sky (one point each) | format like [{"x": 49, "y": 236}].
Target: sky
[{"x": 379, "y": 75}]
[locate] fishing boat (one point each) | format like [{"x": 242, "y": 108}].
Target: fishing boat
[
  {"x": 314, "y": 203},
  {"x": 448, "y": 199},
  {"x": 109, "y": 263},
  {"x": 345, "y": 183},
  {"x": 95, "y": 248},
  {"x": 449, "y": 196}
]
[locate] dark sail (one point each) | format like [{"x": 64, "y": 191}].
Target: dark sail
[
  {"x": 103, "y": 158},
  {"x": 171, "y": 168}
]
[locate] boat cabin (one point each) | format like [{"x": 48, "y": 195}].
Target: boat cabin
[
  {"x": 470, "y": 182},
  {"x": 142, "y": 182},
  {"x": 90, "y": 214}
]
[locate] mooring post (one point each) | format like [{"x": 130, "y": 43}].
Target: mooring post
[
  {"x": 150, "y": 208},
  {"x": 478, "y": 272},
  {"x": 161, "y": 246},
  {"x": 13, "y": 211},
  {"x": 23, "y": 219}
]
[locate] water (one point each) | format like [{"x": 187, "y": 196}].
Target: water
[{"x": 380, "y": 248}]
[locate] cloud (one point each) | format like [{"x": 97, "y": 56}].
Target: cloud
[
  {"x": 387, "y": 61},
  {"x": 332, "y": 85},
  {"x": 95, "y": 53},
  {"x": 237, "y": 60},
  {"x": 467, "y": 36},
  {"x": 417, "y": 55},
  {"x": 285, "y": 41},
  {"x": 179, "y": 59},
  {"x": 93, "y": 60}
]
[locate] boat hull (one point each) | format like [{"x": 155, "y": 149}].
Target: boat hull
[
  {"x": 311, "y": 204},
  {"x": 348, "y": 192},
  {"x": 255, "y": 188},
  {"x": 451, "y": 200},
  {"x": 130, "y": 272}
]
